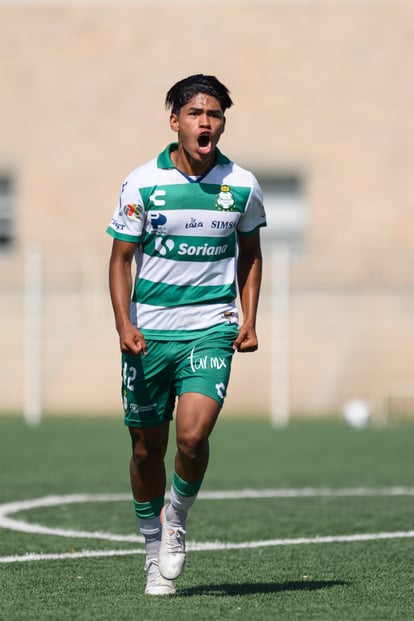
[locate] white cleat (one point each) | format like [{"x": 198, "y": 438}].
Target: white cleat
[
  {"x": 156, "y": 584},
  {"x": 171, "y": 556}
]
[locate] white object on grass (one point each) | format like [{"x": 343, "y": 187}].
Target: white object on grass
[{"x": 356, "y": 413}]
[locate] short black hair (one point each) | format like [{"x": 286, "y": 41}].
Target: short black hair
[{"x": 184, "y": 90}]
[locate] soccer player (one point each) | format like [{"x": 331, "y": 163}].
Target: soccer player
[{"x": 191, "y": 219}]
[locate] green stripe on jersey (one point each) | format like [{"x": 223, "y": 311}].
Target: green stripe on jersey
[
  {"x": 193, "y": 196},
  {"x": 189, "y": 248},
  {"x": 146, "y": 292}
]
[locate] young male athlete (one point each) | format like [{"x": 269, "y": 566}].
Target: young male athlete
[{"x": 190, "y": 218}]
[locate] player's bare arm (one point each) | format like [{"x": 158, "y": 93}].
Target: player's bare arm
[
  {"x": 249, "y": 276},
  {"x": 131, "y": 339}
]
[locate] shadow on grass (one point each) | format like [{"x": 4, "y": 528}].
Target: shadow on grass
[{"x": 251, "y": 588}]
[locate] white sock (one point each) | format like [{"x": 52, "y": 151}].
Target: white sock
[
  {"x": 151, "y": 529},
  {"x": 177, "y": 509}
]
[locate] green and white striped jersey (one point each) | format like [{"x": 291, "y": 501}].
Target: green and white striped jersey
[{"x": 186, "y": 231}]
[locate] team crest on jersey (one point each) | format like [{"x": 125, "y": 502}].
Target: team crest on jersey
[
  {"x": 132, "y": 212},
  {"x": 225, "y": 199}
]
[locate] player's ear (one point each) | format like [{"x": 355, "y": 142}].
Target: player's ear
[{"x": 174, "y": 123}]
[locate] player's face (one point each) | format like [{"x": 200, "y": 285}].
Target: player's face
[{"x": 199, "y": 125}]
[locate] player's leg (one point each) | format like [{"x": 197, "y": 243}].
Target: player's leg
[
  {"x": 148, "y": 403},
  {"x": 195, "y": 419},
  {"x": 147, "y": 468},
  {"x": 147, "y": 474},
  {"x": 202, "y": 377}
]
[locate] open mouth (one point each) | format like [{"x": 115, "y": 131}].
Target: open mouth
[{"x": 203, "y": 141}]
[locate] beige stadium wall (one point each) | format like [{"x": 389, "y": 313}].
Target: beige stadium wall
[{"x": 322, "y": 88}]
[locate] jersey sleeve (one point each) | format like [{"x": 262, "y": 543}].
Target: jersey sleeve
[
  {"x": 254, "y": 215},
  {"x": 127, "y": 223}
]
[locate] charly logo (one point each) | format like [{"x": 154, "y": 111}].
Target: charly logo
[
  {"x": 155, "y": 198},
  {"x": 225, "y": 199},
  {"x": 221, "y": 390},
  {"x": 163, "y": 246}
]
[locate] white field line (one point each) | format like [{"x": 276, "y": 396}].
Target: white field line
[
  {"x": 49, "y": 501},
  {"x": 68, "y": 555},
  {"x": 215, "y": 546},
  {"x": 53, "y": 501},
  {"x": 308, "y": 492}
]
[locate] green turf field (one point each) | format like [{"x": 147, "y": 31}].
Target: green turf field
[{"x": 315, "y": 521}]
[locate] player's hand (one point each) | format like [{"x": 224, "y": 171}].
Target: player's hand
[
  {"x": 246, "y": 340},
  {"x": 132, "y": 341}
]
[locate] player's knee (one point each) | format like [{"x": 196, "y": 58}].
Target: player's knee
[
  {"x": 149, "y": 446},
  {"x": 192, "y": 445},
  {"x": 144, "y": 455}
]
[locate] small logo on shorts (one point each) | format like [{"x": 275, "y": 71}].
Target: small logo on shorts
[
  {"x": 134, "y": 408},
  {"x": 221, "y": 390},
  {"x": 206, "y": 362}
]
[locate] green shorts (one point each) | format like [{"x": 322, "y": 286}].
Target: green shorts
[{"x": 151, "y": 383}]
